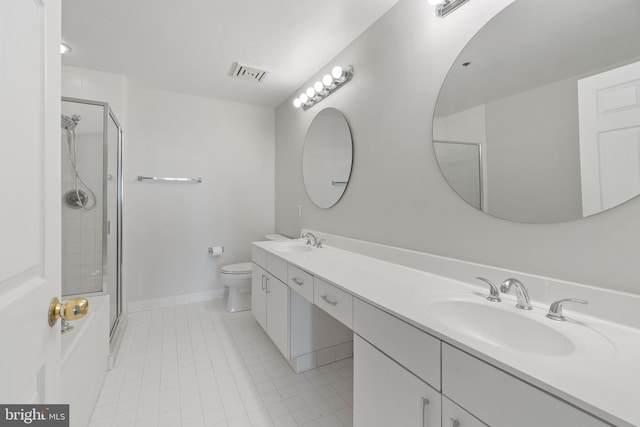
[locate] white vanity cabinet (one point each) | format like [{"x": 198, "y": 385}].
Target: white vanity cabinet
[
  {"x": 408, "y": 372},
  {"x": 259, "y": 295},
  {"x": 278, "y": 313},
  {"x": 270, "y": 307},
  {"x": 396, "y": 371},
  {"x": 282, "y": 304},
  {"x": 385, "y": 394}
]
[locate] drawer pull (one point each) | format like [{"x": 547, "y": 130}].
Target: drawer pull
[
  {"x": 425, "y": 421},
  {"x": 298, "y": 281},
  {"x": 454, "y": 423},
  {"x": 267, "y": 287},
  {"x": 331, "y": 302},
  {"x": 263, "y": 285}
]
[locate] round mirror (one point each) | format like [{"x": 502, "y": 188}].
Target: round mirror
[
  {"x": 538, "y": 120},
  {"x": 327, "y": 157}
]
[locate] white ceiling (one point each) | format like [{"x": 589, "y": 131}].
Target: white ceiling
[{"x": 189, "y": 45}]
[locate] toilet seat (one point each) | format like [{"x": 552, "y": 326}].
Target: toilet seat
[{"x": 237, "y": 269}]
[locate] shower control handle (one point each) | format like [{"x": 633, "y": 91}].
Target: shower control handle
[{"x": 73, "y": 309}]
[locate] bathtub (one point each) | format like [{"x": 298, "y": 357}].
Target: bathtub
[{"x": 85, "y": 354}]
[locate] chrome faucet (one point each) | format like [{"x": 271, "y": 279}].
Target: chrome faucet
[
  {"x": 522, "y": 295},
  {"x": 494, "y": 292},
  {"x": 555, "y": 311},
  {"x": 310, "y": 236}
]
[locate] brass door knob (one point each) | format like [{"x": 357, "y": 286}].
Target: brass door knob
[{"x": 73, "y": 309}]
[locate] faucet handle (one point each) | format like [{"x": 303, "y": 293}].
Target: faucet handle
[
  {"x": 494, "y": 292},
  {"x": 555, "y": 310},
  {"x": 320, "y": 242}
]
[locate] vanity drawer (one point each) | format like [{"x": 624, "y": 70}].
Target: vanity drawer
[
  {"x": 414, "y": 349},
  {"x": 277, "y": 267},
  {"x": 301, "y": 282},
  {"x": 259, "y": 256},
  {"x": 334, "y": 301},
  {"x": 502, "y": 400},
  {"x": 455, "y": 416}
]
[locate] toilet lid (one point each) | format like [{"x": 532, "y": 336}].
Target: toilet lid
[{"x": 240, "y": 268}]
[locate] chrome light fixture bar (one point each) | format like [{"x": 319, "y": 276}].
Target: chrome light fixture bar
[
  {"x": 445, "y": 7},
  {"x": 321, "y": 89}
]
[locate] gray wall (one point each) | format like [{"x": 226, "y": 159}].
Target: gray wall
[
  {"x": 397, "y": 195},
  {"x": 533, "y": 154}
]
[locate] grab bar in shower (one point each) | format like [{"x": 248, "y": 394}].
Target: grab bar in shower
[{"x": 158, "y": 178}]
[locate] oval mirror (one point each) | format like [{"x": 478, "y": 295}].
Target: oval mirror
[
  {"x": 327, "y": 157},
  {"x": 538, "y": 120}
]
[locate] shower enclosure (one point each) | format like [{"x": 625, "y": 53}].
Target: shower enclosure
[{"x": 92, "y": 203}]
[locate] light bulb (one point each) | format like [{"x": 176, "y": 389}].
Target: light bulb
[
  {"x": 336, "y": 72},
  {"x": 304, "y": 98},
  {"x": 436, "y": 2},
  {"x": 311, "y": 92},
  {"x": 318, "y": 86},
  {"x": 327, "y": 80},
  {"x": 297, "y": 103}
]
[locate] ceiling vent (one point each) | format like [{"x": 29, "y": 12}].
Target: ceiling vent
[{"x": 243, "y": 72}]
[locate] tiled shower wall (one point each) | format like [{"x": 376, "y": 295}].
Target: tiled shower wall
[
  {"x": 82, "y": 230},
  {"x": 82, "y": 227}
]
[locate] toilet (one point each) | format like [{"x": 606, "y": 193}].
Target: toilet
[{"x": 238, "y": 278}]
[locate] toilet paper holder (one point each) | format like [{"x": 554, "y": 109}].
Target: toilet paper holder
[{"x": 216, "y": 251}]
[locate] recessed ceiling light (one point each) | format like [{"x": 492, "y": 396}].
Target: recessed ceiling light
[{"x": 65, "y": 48}]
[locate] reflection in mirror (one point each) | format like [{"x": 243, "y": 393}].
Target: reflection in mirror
[
  {"x": 327, "y": 157},
  {"x": 538, "y": 120}
]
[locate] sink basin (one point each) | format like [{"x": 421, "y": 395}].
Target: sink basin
[
  {"x": 501, "y": 327},
  {"x": 293, "y": 247}
]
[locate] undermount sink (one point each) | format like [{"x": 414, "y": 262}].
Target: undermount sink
[
  {"x": 293, "y": 247},
  {"x": 502, "y": 328}
]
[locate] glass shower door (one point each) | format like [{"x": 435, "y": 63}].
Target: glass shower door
[
  {"x": 112, "y": 264},
  {"x": 92, "y": 200}
]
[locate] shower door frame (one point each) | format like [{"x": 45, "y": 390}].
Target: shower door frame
[{"x": 108, "y": 113}]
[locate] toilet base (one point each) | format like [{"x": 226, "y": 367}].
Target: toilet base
[{"x": 239, "y": 299}]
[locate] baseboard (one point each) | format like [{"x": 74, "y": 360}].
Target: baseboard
[
  {"x": 321, "y": 357},
  {"x": 150, "y": 304}
]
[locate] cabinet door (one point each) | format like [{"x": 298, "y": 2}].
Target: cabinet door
[
  {"x": 259, "y": 295},
  {"x": 385, "y": 394},
  {"x": 278, "y": 314}
]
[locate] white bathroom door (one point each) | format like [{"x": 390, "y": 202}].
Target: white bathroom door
[
  {"x": 609, "y": 113},
  {"x": 30, "y": 200}
]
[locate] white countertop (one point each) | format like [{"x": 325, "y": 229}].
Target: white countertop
[{"x": 602, "y": 376}]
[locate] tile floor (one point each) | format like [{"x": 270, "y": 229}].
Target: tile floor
[{"x": 197, "y": 365}]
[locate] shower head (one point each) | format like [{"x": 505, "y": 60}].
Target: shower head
[{"x": 70, "y": 123}]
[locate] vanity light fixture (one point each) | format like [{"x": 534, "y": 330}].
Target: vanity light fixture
[
  {"x": 445, "y": 7},
  {"x": 65, "y": 48},
  {"x": 321, "y": 89}
]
